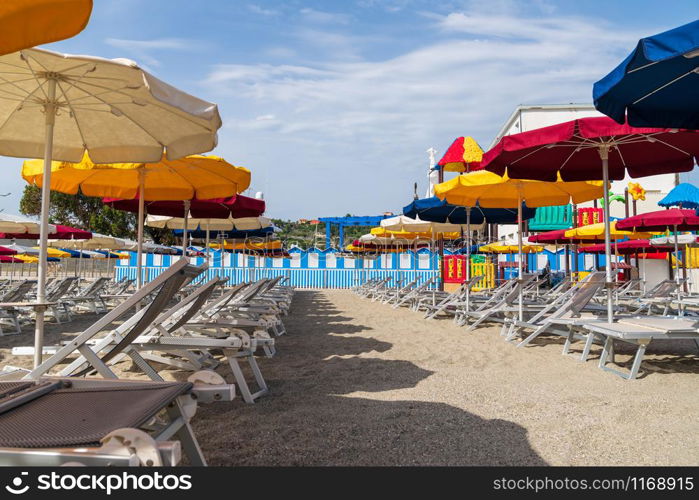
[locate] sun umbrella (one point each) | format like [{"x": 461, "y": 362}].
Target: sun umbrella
[
  {"x": 7, "y": 251},
  {"x": 27, "y": 23},
  {"x": 217, "y": 208},
  {"x": 629, "y": 247},
  {"x": 490, "y": 190},
  {"x": 436, "y": 210},
  {"x": 656, "y": 85},
  {"x": 464, "y": 155},
  {"x": 5, "y": 259},
  {"x": 591, "y": 149},
  {"x": 595, "y": 232},
  {"x": 61, "y": 233},
  {"x": 683, "y": 195},
  {"x": 111, "y": 108},
  {"x": 57, "y": 253},
  {"x": 191, "y": 177},
  {"x": 18, "y": 224},
  {"x": 404, "y": 223},
  {"x": 504, "y": 248},
  {"x": 675, "y": 219},
  {"x": 96, "y": 242},
  {"x": 682, "y": 239}
]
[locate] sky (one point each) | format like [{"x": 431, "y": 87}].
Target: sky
[{"x": 333, "y": 104}]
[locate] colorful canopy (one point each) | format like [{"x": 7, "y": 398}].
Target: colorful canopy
[
  {"x": 504, "y": 248},
  {"x": 6, "y": 259},
  {"x": 436, "y": 210},
  {"x": 61, "y": 233},
  {"x": 464, "y": 155},
  {"x": 195, "y": 176},
  {"x": 415, "y": 225},
  {"x": 19, "y": 224},
  {"x": 242, "y": 224},
  {"x": 217, "y": 208},
  {"x": 491, "y": 190},
  {"x": 571, "y": 151},
  {"x": 7, "y": 251},
  {"x": 27, "y": 23},
  {"x": 595, "y": 232},
  {"x": 409, "y": 235},
  {"x": 683, "y": 195},
  {"x": 628, "y": 247},
  {"x": 682, "y": 239},
  {"x": 557, "y": 237},
  {"x": 675, "y": 219},
  {"x": 656, "y": 85}
]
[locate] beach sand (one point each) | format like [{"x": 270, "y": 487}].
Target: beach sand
[{"x": 359, "y": 383}]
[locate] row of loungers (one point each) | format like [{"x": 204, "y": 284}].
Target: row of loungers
[
  {"x": 65, "y": 298},
  {"x": 75, "y": 409},
  {"x": 575, "y": 311}
]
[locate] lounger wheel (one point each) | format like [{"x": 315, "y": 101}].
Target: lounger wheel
[{"x": 129, "y": 441}]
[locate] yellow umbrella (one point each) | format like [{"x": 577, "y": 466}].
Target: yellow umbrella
[
  {"x": 493, "y": 191},
  {"x": 498, "y": 248},
  {"x": 595, "y": 232},
  {"x": 195, "y": 176},
  {"x": 409, "y": 235},
  {"x": 27, "y": 23},
  {"x": 464, "y": 151},
  {"x": 55, "y": 252}
]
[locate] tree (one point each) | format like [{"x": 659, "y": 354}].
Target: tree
[{"x": 89, "y": 213}]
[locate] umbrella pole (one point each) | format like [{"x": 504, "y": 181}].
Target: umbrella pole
[
  {"x": 519, "y": 264},
  {"x": 50, "y": 120},
  {"x": 141, "y": 210},
  {"x": 604, "y": 154},
  {"x": 207, "y": 243},
  {"x": 184, "y": 233},
  {"x": 468, "y": 258},
  {"x": 677, "y": 273}
]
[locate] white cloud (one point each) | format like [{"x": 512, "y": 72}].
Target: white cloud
[
  {"x": 321, "y": 17},
  {"x": 362, "y": 126},
  {"x": 262, "y": 11},
  {"x": 142, "y": 49}
]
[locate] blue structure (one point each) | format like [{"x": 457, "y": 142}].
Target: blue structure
[
  {"x": 367, "y": 221},
  {"x": 656, "y": 85}
]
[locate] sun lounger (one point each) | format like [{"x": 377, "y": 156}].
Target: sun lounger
[
  {"x": 68, "y": 421},
  {"x": 494, "y": 310},
  {"x": 90, "y": 297},
  {"x": 462, "y": 294},
  {"x": 17, "y": 294}
]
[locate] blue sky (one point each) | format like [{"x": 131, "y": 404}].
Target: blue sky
[{"x": 332, "y": 104}]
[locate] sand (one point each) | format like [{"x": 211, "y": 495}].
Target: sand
[{"x": 359, "y": 383}]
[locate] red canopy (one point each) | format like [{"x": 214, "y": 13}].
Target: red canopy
[
  {"x": 4, "y": 259},
  {"x": 629, "y": 247},
  {"x": 62, "y": 233},
  {"x": 217, "y": 208},
  {"x": 661, "y": 220},
  {"x": 557, "y": 237},
  {"x": 455, "y": 155},
  {"x": 573, "y": 150},
  {"x": 7, "y": 251}
]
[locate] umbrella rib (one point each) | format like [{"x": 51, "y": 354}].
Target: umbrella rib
[
  {"x": 75, "y": 117},
  {"x": 151, "y": 103},
  {"x": 662, "y": 87}
]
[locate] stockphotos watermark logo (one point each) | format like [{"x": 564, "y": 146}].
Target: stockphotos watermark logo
[{"x": 108, "y": 483}]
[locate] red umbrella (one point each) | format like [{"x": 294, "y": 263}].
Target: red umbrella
[
  {"x": 629, "y": 247},
  {"x": 4, "y": 259},
  {"x": 7, "y": 251},
  {"x": 676, "y": 219},
  {"x": 217, "y": 208},
  {"x": 557, "y": 237},
  {"x": 62, "y": 233},
  {"x": 593, "y": 149},
  {"x": 453, "y": 159}
]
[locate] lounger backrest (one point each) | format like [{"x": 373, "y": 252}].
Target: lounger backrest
[
  {"x": 94, "y": 288},
  {"x": 161, "y": 290},
  {"x": 526, "y": 280},
  {"x": 20, "y": 292},
  {"x": 11, "y": 290},
  {"x": 583, "y": 294},
  {"x": 196, "y": 305},
  {"x": 60, "y": 289}
]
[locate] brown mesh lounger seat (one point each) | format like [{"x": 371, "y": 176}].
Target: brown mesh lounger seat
[{"x": 79, "y": 413}]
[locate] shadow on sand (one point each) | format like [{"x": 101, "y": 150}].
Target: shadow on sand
[{"x": 308, "y": 419}]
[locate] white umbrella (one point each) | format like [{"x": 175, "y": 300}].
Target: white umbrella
[
  {"x": 17, "y": 224},
  {"x": 97, "y": 242},
  {"x": 111, "y": 109},
  {"x": 239, "y": 224},
  {"x": 404, "y": 223}
]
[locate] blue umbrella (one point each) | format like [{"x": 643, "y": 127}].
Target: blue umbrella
[
  {"x": 657, "y": 85},
  {"x": 436, "y": 210},
  {"x": 684, "y": 194}
]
